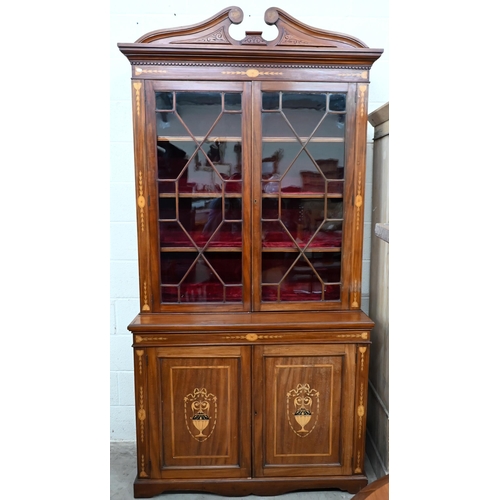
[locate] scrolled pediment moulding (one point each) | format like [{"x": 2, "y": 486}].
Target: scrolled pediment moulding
[{"x": 296, "y": 43}]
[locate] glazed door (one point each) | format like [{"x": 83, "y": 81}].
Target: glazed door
[
  {"x": 200, "y": 412},
  {"x": 198, "y": 153},
  {"x": 303, "y": 171},
  {"x": 304, "y": 409}
]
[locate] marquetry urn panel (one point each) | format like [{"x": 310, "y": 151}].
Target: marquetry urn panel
[
  {"x": 307, "y": 395},
  {"x": 202, "y": 410}
]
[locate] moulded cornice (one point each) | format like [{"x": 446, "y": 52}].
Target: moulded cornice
[{"x": 297, "y": 55}]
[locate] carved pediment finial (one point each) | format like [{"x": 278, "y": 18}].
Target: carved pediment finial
[{"x": 253, "y": 38}]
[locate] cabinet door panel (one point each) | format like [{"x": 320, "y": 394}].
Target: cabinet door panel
[
  {"x": 304, "y": 418},
  {"x": 203, "y": 411}
]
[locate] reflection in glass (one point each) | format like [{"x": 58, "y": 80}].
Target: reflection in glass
[
  {"x": 313, "y": 276},
  {"x": 232, "y": 101},
  {"x": 332, "y": 125},
  {"x": 193, "y": 222},
  {"x": 164, "y": 101},
  {"x": 337, "y": 102},
  {"x": 216, "y": 278},
  {"x": 275, "y": 125},
  {"x": 289, "y": 168},
  {"x": 302, "y": 222},
  {"x": 303, "y": 142},
  {"x": 198, "y": 110},
  {"x": 271, "y": 101},
  {"x": 304, "y": 112},
  {"x": 172, "y": 159}
]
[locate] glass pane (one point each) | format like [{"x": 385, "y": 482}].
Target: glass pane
[
  {"x": 198, "y": 221},
  {"x": 270, "y": 208},
  {"x": 228, "y": 125},
  {"x": 311, "y": 180},
  {"x": 326, "y": 265},
  {"x": 314, "y": 276},
  {"x": 302, "y": 222},
  {"x": 332, "y": 125},
  {"x": 172, "y": 159},
  {"x": 164, "y": 101},
  {"x": 303, "y": 101},
  {"x": 315, "y": 167},
  {"x": 301, "y": 283},
  {"x": 198, "y": 110},
  {"x": 173, "y": 234},
  {"x": 303, "y": 143},
  {"x": 270, "y": 100},
  {"x": 317, "y": 230},
  {"x": 228, "y": 234},
  {"x": 227, "y": 266},
  {"x": 330, "y": 168},
  {"x": 279, "y": 162},
  {"x": 332, "y": 292},
  {"x": 275, "y": 125},
  {"x": 175, "y": 265},
  {"x": 274, "y": 234},
  {"x": 232, "y": 102},
  {"x": 274, "y": 266},
  {"x": 201, "y": 284},
  {"x": 168, "y": 123},
  {"x": 337, "y": 102},
  {"x": 167, "y": 209},
  {"x": 329, "y": 158},
  {"x": 213, "y": 279},
  {"x": 304, "y": 111}
]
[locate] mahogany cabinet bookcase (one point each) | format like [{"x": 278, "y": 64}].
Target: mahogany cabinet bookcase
[{"x": 251, "y": 351}]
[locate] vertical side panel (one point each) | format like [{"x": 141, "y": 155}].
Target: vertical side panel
[
  {"x": 152, "y": 247},
  {"x": 256, "y": 194},
  {"x": 248, "y": 168},
  {"x": 350, "y": 151},
  {"x": 358, "y": 198},
  {"x": 153, "y": 414},
  {"x": 142, "y": 194},
  {"x": 362, "y": 366},
  {"x": 142, "y": 416}
]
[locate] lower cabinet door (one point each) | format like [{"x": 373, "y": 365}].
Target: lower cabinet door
[
  {"x": 304, "y": 399},
  {"x": 200, "y": 412}
]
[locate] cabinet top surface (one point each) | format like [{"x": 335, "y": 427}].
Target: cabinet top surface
[
  {"x": 255, "y": 321},
  {"x": 296, "y": 42}
]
